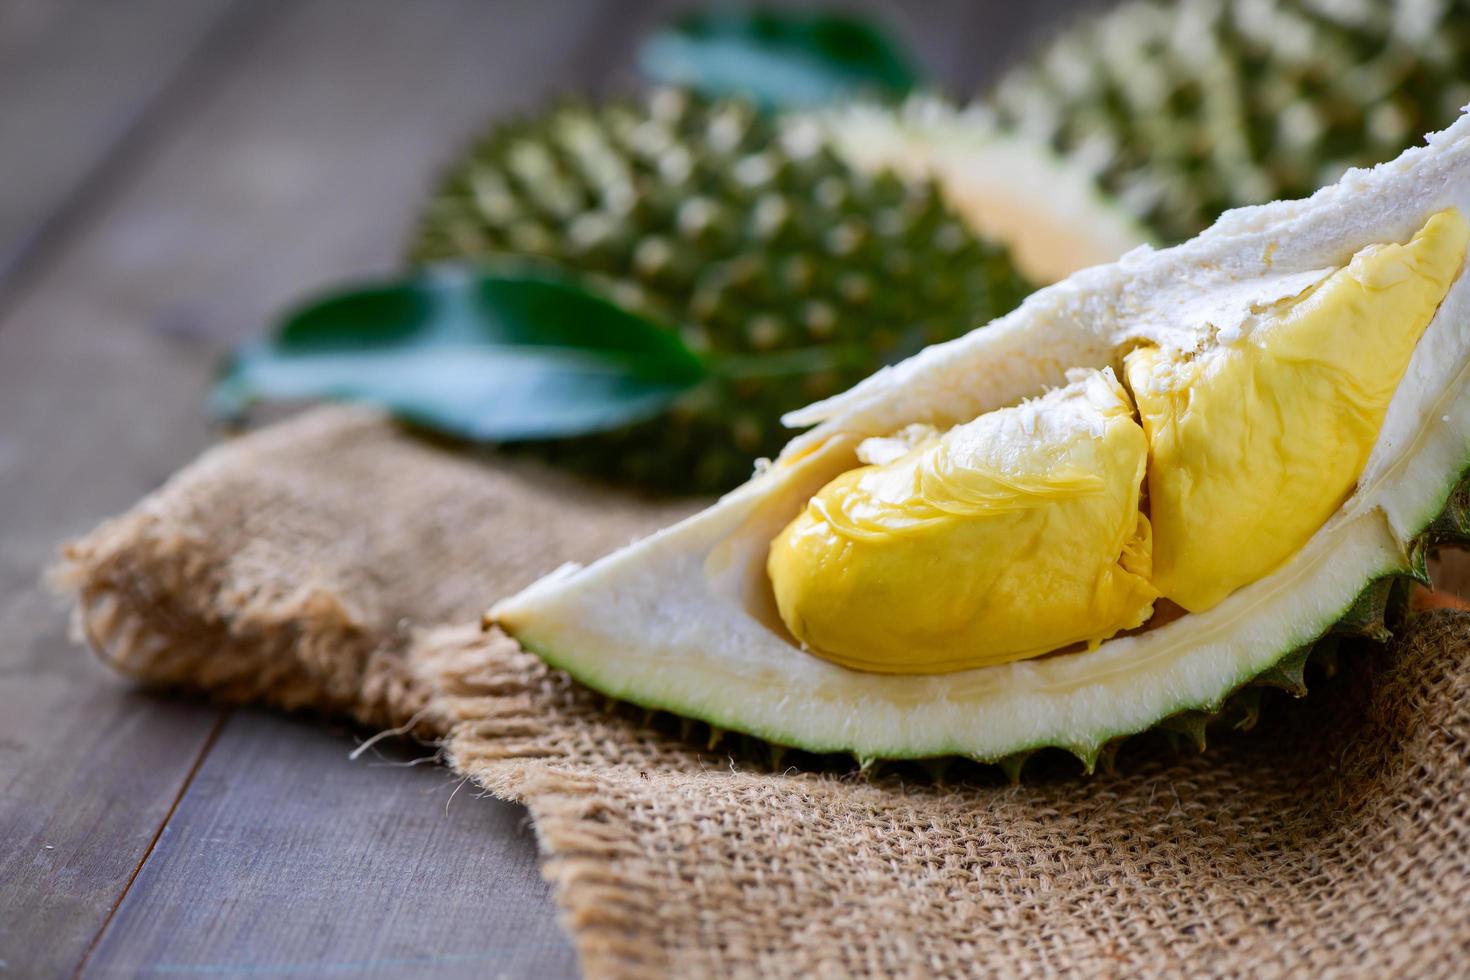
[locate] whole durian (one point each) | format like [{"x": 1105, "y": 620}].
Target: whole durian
[
  {"x": 1186, "y": 109},
  {"x": 759, "y": 238}
]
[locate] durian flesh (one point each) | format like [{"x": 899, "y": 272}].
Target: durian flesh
[
  {"x": 1005, "y": 538},
  {"x": 687, "y": 619},
  {"x": 1020, "y": 532}
]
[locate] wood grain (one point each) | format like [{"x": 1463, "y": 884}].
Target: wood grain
[
  {"x": 297, "y": 160},
  {"x": 82, "y": 81},
  {"x": 286, "y": 857},
  {"x": 88, "y": 769}
]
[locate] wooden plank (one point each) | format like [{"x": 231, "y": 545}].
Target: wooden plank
[
  {"x": 286, "y": 857},
  {"x": 88, "y": 769},
  {"x": 80, "y": 79},
  {"x": 296, "y": 164}
]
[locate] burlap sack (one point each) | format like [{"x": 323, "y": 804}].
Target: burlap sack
[{"x": 325, "y": 563}]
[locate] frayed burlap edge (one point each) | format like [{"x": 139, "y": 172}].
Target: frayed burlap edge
[{"x": 152, "y": 606}]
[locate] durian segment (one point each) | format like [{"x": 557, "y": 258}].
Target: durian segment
[
  {"x": 685, "y": 620},
  {"x": 1258, "y": 439},
  {"x": 1008, "y": 537}
]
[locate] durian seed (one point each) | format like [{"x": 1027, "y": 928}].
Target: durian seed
[{"x": 764, "y": 331}]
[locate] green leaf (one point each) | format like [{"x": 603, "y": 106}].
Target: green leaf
[
  {"x": 780, "y": 59},
  {"x": 496, "y": 356}
]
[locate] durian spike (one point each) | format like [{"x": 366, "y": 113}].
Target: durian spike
[
  {"x": 1013, "y": 764},
  {"x": 1288, "y": 673},
  {"x": 1191, "y": 725}
]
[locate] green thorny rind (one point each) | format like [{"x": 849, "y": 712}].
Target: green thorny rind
[
  {"x": 789, "y": 272},
  {"x": 1367, "y": 623},
  {"x": 1185, "y": 110}
]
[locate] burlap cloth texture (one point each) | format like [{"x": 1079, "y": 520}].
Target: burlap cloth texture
[{"x": 335, "y": 563}]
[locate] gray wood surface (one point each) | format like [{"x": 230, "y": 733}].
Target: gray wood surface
[
  {"x": 286, "y": 857},
  {"x": 170, "y": 175},
  {"x": 63, "y": 127}
]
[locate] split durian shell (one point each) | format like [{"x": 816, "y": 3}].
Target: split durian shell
[{"x": 685, "y": 620}]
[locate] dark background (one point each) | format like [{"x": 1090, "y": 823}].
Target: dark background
[{"x": 171, "y": 172}]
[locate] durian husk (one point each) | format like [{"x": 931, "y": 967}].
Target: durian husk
[
  {"x": 1184, "y": 110},
  {"x": 755, "y": 240}
]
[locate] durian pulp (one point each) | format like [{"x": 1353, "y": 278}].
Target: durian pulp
[{"x": 1020, "y": 532}]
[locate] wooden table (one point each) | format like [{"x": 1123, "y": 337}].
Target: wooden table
[{"x": 171, "y": 173}]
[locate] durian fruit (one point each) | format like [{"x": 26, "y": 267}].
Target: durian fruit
[
  {"x": 767, "y": 243},
  {"x": 961, "y": 558},
  {"x": 1186, "y": 109}
]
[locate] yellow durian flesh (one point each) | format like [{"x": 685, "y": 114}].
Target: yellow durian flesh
[
  {"x": 1005, "y": 538},
  {"x": 1257, "y": 441}
]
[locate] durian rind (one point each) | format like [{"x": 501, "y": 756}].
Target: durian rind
[
  {"x": 790, "y": 267},
  {"x": 681, "y": 621}
]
